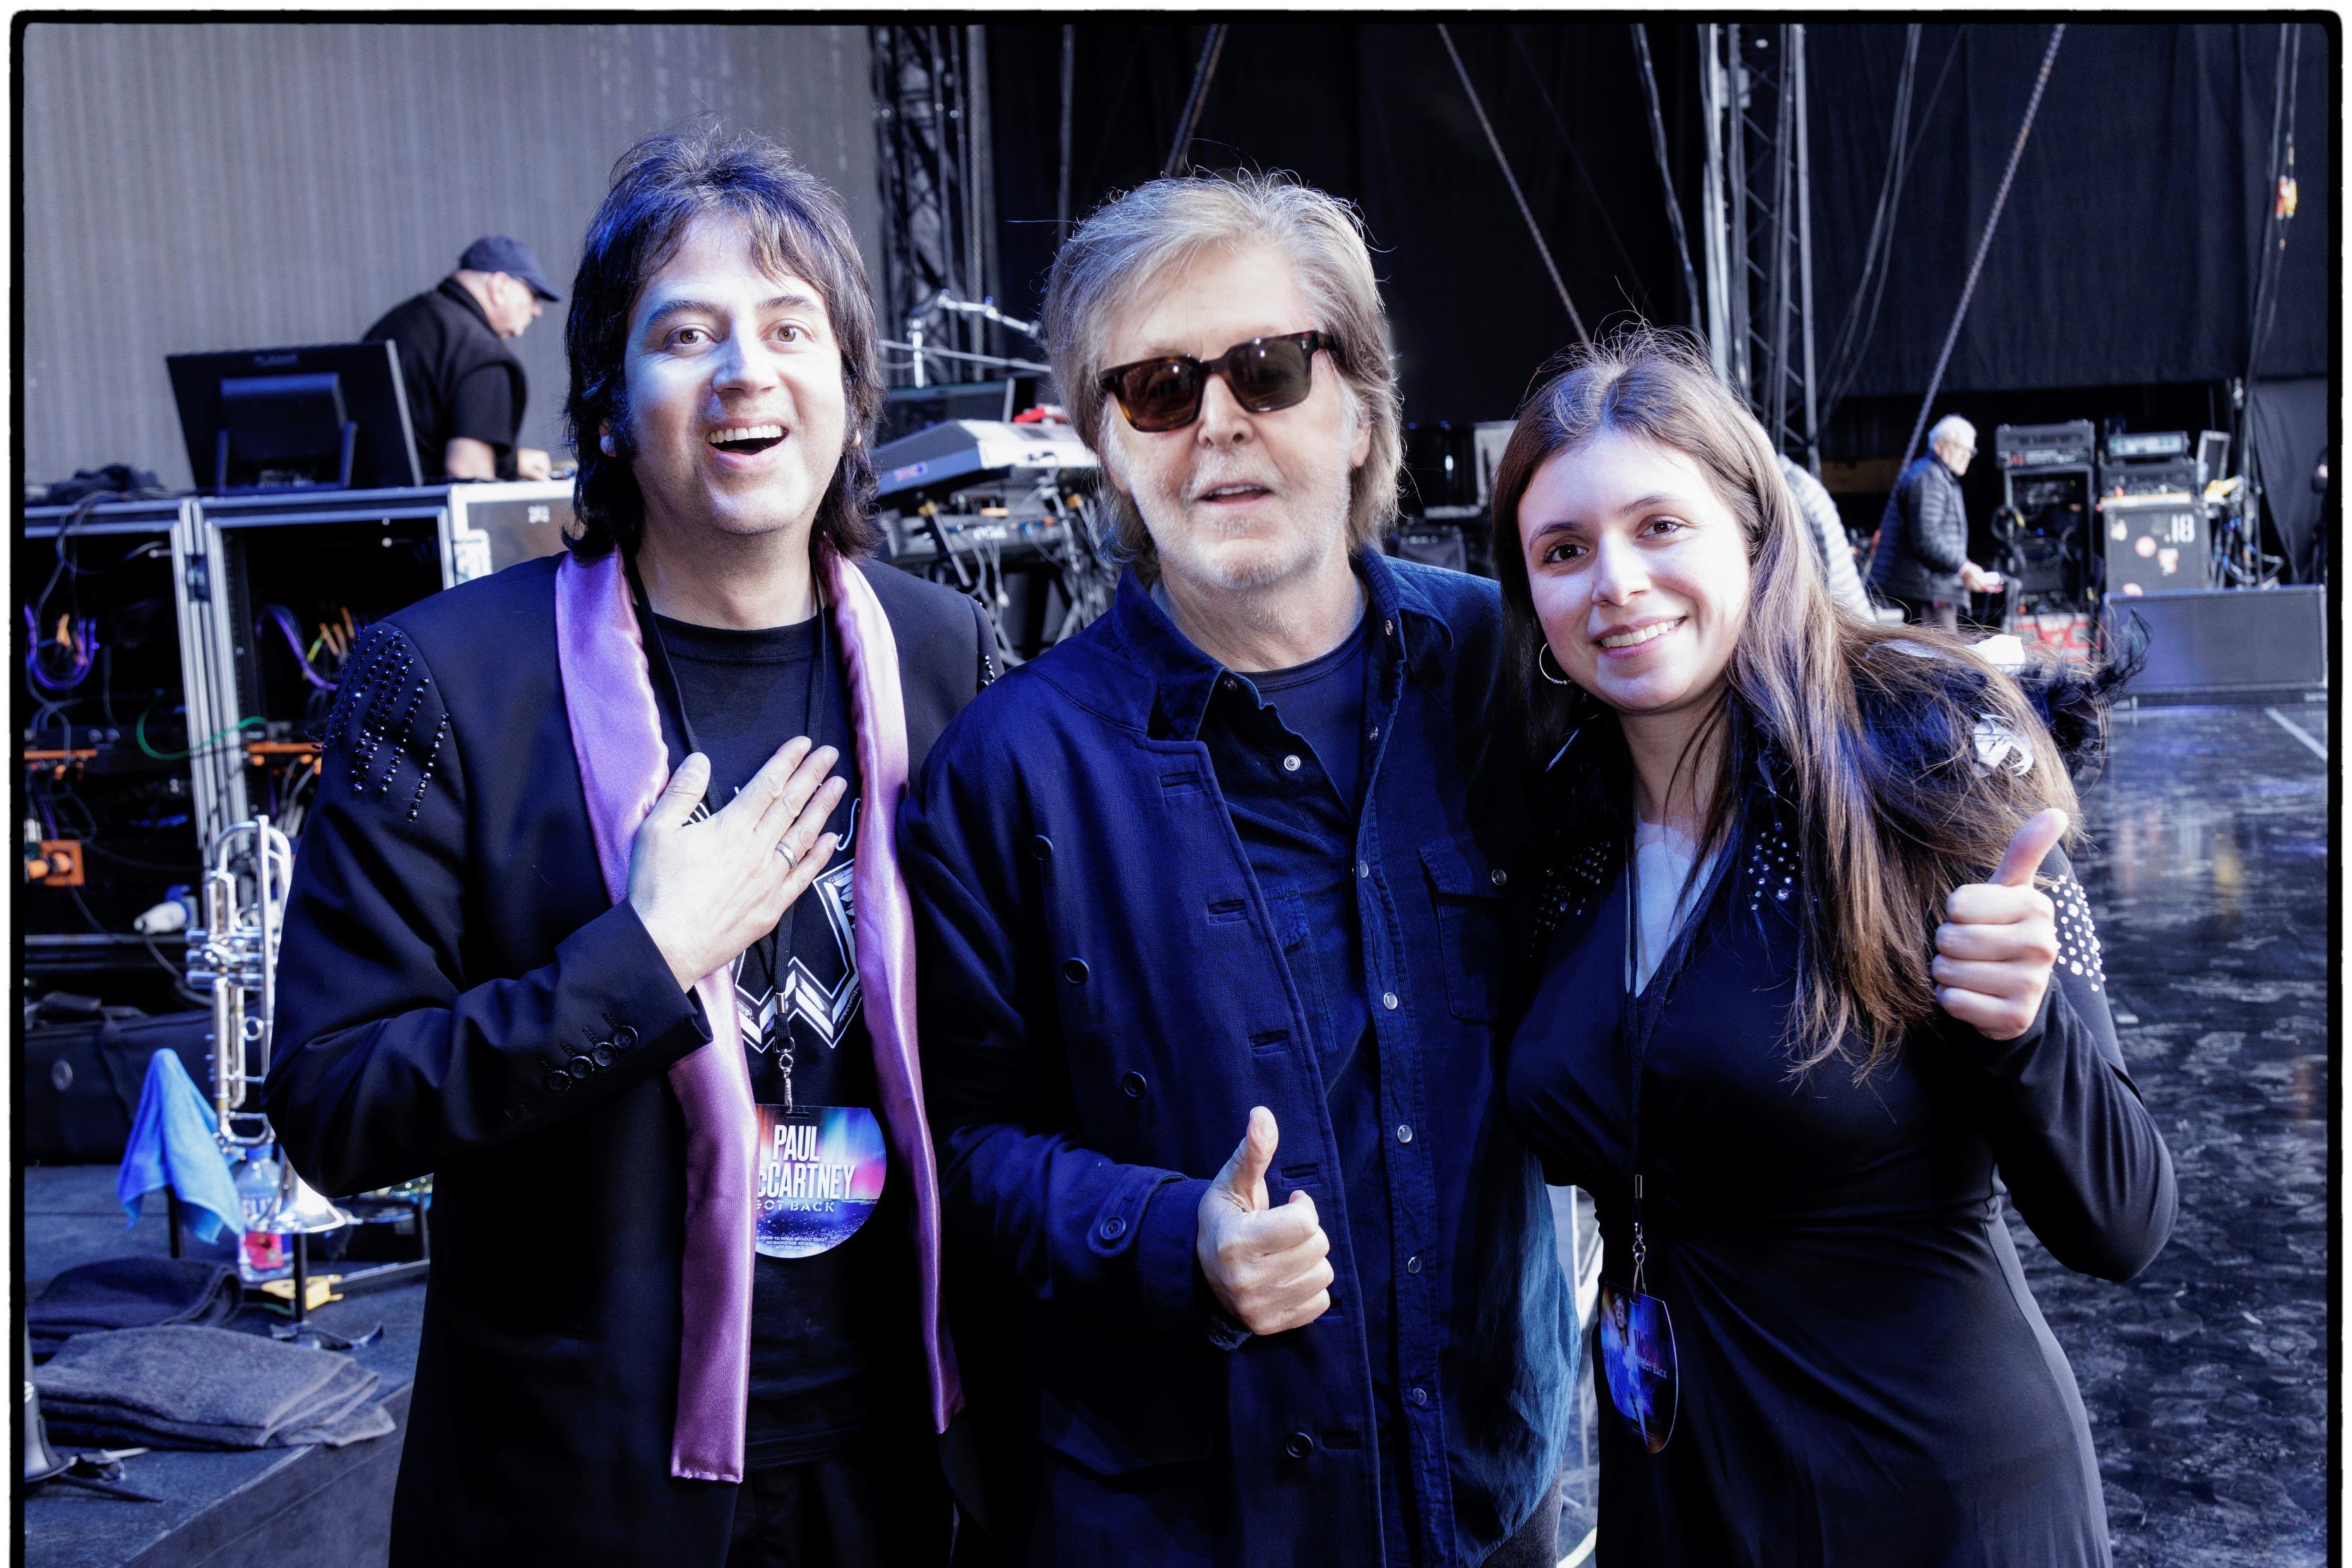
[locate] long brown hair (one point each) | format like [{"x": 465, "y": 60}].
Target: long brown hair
[{"x": 1871, "y": 729}]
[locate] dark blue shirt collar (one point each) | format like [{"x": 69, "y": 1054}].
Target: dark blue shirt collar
[{"x": 1184, "y": 678}]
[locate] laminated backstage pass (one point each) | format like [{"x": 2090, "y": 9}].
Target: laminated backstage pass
[{"x": 818, "y": 1177}]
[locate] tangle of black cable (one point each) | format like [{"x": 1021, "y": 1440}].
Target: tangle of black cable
[
  {"x": 1181, "y": 153},
  {"x": 1568, "y": 144},
  {"x": 1876, "y": 249},
  {"x": 1876, "y": 266},
  {"x": 2270, "y": 257}
]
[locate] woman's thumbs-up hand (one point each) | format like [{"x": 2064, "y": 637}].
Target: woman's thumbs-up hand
[
  {"x": 1998, "y": 938},
  {"x": 1269, "y": 1266}
]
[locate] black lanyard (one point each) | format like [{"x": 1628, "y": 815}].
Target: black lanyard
[
  {"x": 812, "y": 711},
  {"x": 658, "y": 653},
  {"x": 1640, "y": 1008}
]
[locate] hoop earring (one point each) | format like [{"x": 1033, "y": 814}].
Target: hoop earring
[{"x": 1543, "y": 652}]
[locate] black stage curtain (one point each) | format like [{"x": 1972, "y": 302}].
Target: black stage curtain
[
  {"x": 2290, "y": 421},
  {"x": 2126, "y": 255},
  {"x": 1375, "y": 112},
  {"x": 2127, "y": 249}
]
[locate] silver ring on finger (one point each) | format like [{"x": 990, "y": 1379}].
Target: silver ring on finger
[{"x": 783, "y": 848}]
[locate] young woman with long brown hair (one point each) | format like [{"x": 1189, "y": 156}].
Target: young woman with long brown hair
[{"x": 1815, "y": 984}]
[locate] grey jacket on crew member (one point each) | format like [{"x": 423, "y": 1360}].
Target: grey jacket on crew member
[
  {"x": 1829, "y": 531},
  {"x": 1926, "y": 536}
]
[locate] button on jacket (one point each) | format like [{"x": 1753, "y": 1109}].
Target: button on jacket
[{"x": 1105, "y": 995}]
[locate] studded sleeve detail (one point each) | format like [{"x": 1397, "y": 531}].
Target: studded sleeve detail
[
  {"x": 988, "y": 668},
  {"x": 387, "y": 722},
  {"x": 2078, "y": 938}
]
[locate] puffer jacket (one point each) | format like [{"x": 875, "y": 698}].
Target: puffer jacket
[{"x": 1926, "y": 536}]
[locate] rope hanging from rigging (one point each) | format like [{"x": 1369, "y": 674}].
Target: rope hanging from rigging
[
  {"x": 1181, "y": 153},
  {"x": 1665, "y": 171},
  {"x": 1984, "y": 245},
  {"x": 1512, "y": 180}
]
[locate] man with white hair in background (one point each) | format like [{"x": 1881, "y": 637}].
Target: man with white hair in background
[
  {"x": 1229, "y": 867},
  {"x": 1921, "y": 565}
]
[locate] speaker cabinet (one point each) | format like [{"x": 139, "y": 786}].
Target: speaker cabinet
[{"x": 2225, "y": 641}]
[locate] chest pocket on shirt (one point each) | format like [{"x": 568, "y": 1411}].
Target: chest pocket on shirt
[{"x": 1469, "y": 905}]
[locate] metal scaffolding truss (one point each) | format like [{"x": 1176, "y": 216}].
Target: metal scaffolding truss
[
  {"x": 938, "y": 198},
  {"x": 1756, "y": 211}
]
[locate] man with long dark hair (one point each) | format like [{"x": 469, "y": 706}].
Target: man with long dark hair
[{"x": 599, "y": 920}]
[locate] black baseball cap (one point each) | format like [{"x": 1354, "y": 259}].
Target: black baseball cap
[{"x": 497, "y": 252}]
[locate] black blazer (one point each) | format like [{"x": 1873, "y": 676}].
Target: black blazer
[{"x": 450, "y": 942}]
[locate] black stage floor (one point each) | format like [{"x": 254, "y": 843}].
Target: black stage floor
[{"x": 2206, "y": 1378}]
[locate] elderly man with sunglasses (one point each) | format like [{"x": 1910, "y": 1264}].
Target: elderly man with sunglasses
[{"x": 1209, "y": 899}]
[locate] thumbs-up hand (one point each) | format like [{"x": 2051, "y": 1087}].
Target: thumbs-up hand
[
  {"x": 1998, "y": 938},
  {"x": 1269, "y": 1266}
]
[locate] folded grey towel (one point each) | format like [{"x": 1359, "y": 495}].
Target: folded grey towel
[
  {"x": 358, "y": 1425},
  {"x": 130, "y": 1294},
  {"x": 189, "y": 1387}
]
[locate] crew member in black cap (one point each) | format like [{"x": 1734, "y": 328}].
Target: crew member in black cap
[{"x": 465, "y": 389}]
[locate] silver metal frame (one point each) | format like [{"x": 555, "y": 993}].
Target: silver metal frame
[
  {"x": 1756, "y": 212},
  {"x": 465, "y": 551},
  {"x": 175, "y": 521},
  {"x": 197, "y": 529},
  {"x": 209, "y": 636}
]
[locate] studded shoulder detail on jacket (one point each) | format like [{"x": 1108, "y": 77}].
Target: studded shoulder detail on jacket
[{"x": 387, "y": 720}]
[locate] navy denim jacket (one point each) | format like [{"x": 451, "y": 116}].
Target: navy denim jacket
[{"x": 1104, "y": 997}]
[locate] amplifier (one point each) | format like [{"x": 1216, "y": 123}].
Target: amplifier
[
  {"x": 1434, "y": 545},
  {"x": 2154, "y": 544},
  {"x": 2070, "y": 445},
  {"x": 2122, "y": 448},
  {"x": 2064, "y": 634},
  {"x": 2161, "y": 476},
  {"x": 494, "y": 526}
]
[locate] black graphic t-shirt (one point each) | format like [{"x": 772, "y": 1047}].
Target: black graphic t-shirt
[{"x": 826, "y": 1334}]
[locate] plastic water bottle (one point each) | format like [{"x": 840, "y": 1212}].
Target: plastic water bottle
[{"x": 264, "y": 1254}]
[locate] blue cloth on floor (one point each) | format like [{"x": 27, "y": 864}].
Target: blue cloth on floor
[{"x": 172, "y": 1144}]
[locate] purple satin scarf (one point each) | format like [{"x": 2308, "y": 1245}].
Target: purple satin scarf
[{"x": 608, "y": 696}]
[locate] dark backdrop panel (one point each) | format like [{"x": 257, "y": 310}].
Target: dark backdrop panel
[
  {"x": 2127, "y": 249},
  {"x": 2124, "y": 258},
  {"x": 2290, "y": 432},
  {"x": 236, "y": 186},
  {"x": 1376, "y": 113}
]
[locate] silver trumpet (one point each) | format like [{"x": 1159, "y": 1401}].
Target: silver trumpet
[{"x": 235, "y": 954}]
